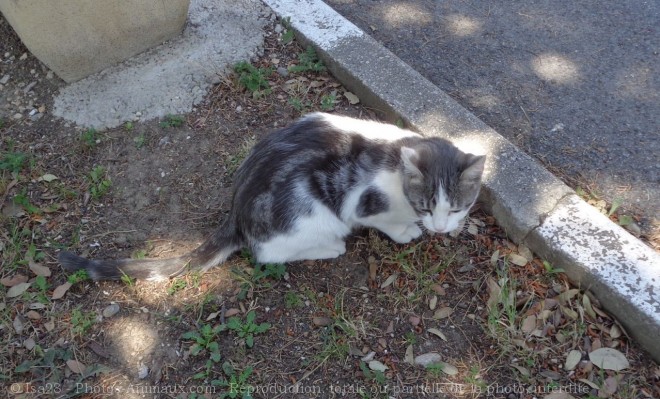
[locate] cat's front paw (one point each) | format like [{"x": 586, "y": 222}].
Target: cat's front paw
[{"x": 409, "y": 233}]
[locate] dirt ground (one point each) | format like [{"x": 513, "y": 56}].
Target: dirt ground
[{"x": 467, "y": 316}]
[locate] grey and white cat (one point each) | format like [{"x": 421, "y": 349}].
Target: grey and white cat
[{"x": 302, "y": 189}]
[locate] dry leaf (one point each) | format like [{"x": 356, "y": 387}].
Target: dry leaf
[
  {"x": 427, "y": 359},
  {"x": 18, "y": 289},
  {"x": 47, "y": 178},
  {"x": 494, "y": 257},
  {"x": 415, "y": 320},
  {"x": 13, "y": 280},
  {"x": 473, "y": 229},
  {"x": 33, "y": 315},
  {"x": 433, "y": 302},
  {"x": 409, "y": 357},
  {"x": 438, "y": 289},
  {"x": 609, "y": 387},
  {"x": 377, "y": 366},
  {"x": 448, "y": 368},
  {"x": 586, "y": 303},
  {"x": 389, "y": 281},
  {"x": 322, "y": 321},
  {"x": 522, "y": 370},
  {"x": 75, "y": 366},
  {"x": 61, "y": 290},
  {"x": 517, "y": 259},
  {"x": 609, "y": 359},
  {"x": 615, "y": 331},
  {"x": 39, "y": 269},
  {"x": 443, "y": 313},
  {"x": 373, "y": 270},
  {"x": 352, "y": 98},
  {"x": 567, "y": 295},
  {"x": 529, "y": 324},
  {"x": 438, "y": 333},
  {"x": 232, "y": 312},
  {"x": 525, "y": 252},
  {"x": 494, "y": 291},
  {"x": 573, "y": 359}
]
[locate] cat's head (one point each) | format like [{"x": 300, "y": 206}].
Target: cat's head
[{"x": 441, "y": 182}]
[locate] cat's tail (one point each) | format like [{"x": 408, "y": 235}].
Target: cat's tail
[{"x": 215, "y": 250}]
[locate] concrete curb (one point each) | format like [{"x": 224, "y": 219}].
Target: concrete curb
[{"x": 532, "y": 205}]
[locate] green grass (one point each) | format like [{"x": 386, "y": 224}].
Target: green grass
[
  {"x": 172, "y": 121},
  {"x": 81, "y": 321},
  {"x": 139, "y": 140},
  {"x": 89, "y": 138},
  {"x": 328, "y": 102},
  {"x": 12, "y": 161},
  {"x": 308, "y": 61},
  {"x": 99, "y": 184},
  {"x": 246, "y": 329},
  {"x": 254, "y": 79}
]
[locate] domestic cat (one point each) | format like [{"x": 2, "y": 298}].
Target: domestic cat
[{"x": 302, "y": 189}]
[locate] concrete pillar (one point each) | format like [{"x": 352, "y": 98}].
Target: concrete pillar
[{"x": 76, "y": 38}]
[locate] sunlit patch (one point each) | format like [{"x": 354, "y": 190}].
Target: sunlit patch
[
  {"x": 555, "y": 67},
  {"x": 482, "y": 99},
  {"x": 461, "y": 25},
  {"x": 397, "y": 14},
  {"x": 636, "y": 82}
]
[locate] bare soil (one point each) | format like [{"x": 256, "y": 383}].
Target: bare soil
[{"x": 499, "y": 326}]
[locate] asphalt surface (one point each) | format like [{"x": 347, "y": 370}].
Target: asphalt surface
[{"x": 575, "y": 84}]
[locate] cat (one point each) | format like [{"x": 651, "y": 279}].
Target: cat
[{"x": 302, "y": 190}]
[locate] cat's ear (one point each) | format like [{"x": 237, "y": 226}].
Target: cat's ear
[
  {"x": 474, "y": 167},
  {"x": 410, "y": 158}
]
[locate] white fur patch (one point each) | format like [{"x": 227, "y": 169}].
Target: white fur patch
[{"x": 368, "y": 129}]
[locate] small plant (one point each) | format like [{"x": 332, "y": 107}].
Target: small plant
[
  {"x": 42, "y": 287},
  {"x": 89, "y": 138},
  {"x": 205, "y": 341},
  {"x": 81, "y": 321},
  {"x": 375, "y": 375},
  {"x": 308, "y": 61},
  {"x": 248, "y": 329},
  {"x": 435, "y": 369},
  {"x": 299, "y": 105},
  {"x": 173, "y": 121},
  {"x": 411, "y": 338},
  {"x": 292, "y": 300},
  {"x": 549, "y": 269},
  {"x": 139, "y": 140},
  {"x": 77, "y": 277},
  {"x": 236, "y": 384},
  {"x": 176, "y": 286},
  {"x": 234, "y": 161},
  {"x": 128, "y": 126},
  {"x": 252, "y": 78},
  {"x": 328, "y": 102},
  {"x": 259, "y": 275},
  {"x": 127, "y": 280},
  {"x": 23, "y": 200},
  {"x": 99, "y": 184},
  {"x": 12, "y": 161},
  {"x": 287, "y": 36}
]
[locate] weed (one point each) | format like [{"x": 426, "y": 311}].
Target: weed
[
  {"x": 549, "y": 269},
  {"x": 205, "y": 341},
  {"x": 236, "y": 382},
  {"x": 253, "y": 79},
  {"x": 12, "y": 161},
  {"x": 258, "y": 276},
  {"x": 77, "y": 277},
  {"x": 176, "y": 286},
  {"x": 139, "y": 253},
  {"x": 248, "y": 329},
  {"x": 172, "y": 121},
  {"x": 287, "y": 36},
  {"x": 328, "y": 102},
  {"x": 234, "y": 161},
  {"x": 299, "y": 105},
  {"x": 23, "y": 200},
  {"x": 377, "y": 378},
  {"x": 410, "y": 338},
  {"x": 308, "y": 61},
  {"x": 139, "y": 140},
  {"x": 99, "y": 184},
  {"x": 127, "y": 280},
  {"x": 128, "y": 126},
  {"x": 292, "y": 300},
  {"x": 81, "y": 321},
  {"x": 435, "y": 369},
  {"x": 89, "y": 138}
]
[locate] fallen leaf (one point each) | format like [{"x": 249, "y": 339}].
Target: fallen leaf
[
  {"x": 525, "y": 372},
  {"x": 29, "y": 344},
  {"x": 443, "y": 313},
  {"x": 433, "y": 302},
  {"x": 377, "y": 366},
  {"x": 390, "y": 328},
  {"x": 409, "y": 357},
  {"x": 75, "y": 366},
  {"x": 212, "y": 316},
  {"x": 609, "y": 387},
  {"x": 615, "y": 331},
  {"x": 494, "y": 291},
  {"x": 438, "y": 289},
  {"x": 33, "y": 315},
  {"x": 590, "y": 383},
  {"x": 414, "y": 320},
  {"x": 18, "y": 289},
  {"x": 569, "y": 312},
  {"x": 19, "y": 323},
  {"x": 494, "y": 257},
  {"x": 373, "y": 270},
  {"x": 525, "y": 252},
  {"x": 517, "y": 259},
  {"x": 389, "y": 281},
  {"x": 572, "y": 359},
  {"x": 39, "y": 269},
  {"x": 448, "y": 368},
  {"x": 352, "y": 98},
  {"x": 232, "y": 312},
  {"x": 47, "y": 178},
  {"x": 609, "y": 359},
  {"x": 321, "y": 321},
  {"x": 437, "y": 332},
  {"x": 61, "y": 290},
  {"x": 473, "y": 229},
  {"x": 567, "y": 295},
  {"x": 529, "y": 324},
  {"x": 13, "y": 280},
  {"x": 369, "y": 357},
  {"x": 586, "y": 303}
]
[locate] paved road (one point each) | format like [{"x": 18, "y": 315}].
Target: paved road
[{"x": 574, "y": 83}]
